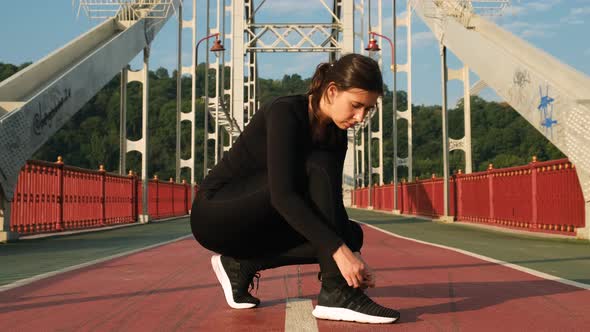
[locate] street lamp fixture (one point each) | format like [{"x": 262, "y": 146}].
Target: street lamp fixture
[
  {"x": 373, "y": 46},
  {"x": 216, "y": 48}
]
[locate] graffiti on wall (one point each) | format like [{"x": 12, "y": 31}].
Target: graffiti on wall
[{"x": 546, "y": 111}]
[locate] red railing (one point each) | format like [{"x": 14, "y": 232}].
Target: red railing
[
  {"x": 52, "y": 197},
  {"x": 542, "y": 196},
  {"x": 167, "y": 199}
]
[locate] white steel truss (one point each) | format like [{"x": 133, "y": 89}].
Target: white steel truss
[
  {"x": 247, "y": 38},
  {"x": 126, "y": 10},
  {"x": 463, "y": 10},
  {"x": 406, "y": 22},
  {"x": 463, "y": 143},
  {"x": 377, "y": 136},
  {"x": 361, "y": 33},
  {"x": 293, "y": 37},
  {"x": 189, "y": 117}
]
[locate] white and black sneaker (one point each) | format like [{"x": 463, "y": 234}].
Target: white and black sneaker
[
  {"x": 235, "y": 280},
  {"x": 338, "y": 301}
]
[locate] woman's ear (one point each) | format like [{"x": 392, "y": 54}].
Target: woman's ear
[{"x": 331, "y": 92}]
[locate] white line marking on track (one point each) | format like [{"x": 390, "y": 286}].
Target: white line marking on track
[
  {"x": 27, "y": 281},
  {"x": 298, "y": 317},
  {"x": 489, "y": 259}
]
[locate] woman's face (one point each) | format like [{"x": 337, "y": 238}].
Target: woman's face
[{"x": 349, "y": 107}]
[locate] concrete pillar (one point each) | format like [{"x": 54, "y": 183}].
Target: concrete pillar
[
  {"x": 584, "y": 232},
  {"x": 5, "y": 233}
]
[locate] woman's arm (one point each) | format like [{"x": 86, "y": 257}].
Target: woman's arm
[{"x": 284, "y": 139}]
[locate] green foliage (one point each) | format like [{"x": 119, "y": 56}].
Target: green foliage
[
  {"x": 500, "y": 135},
  {"x": 7, "y": 70}
]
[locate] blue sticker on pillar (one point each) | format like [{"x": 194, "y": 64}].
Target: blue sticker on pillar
[{"x": 546, "y": 111}]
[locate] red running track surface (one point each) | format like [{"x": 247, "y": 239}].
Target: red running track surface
[{"x": 173, "y": 288}]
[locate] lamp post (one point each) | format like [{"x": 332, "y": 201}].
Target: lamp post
[
  {"x": 217, "y": 47},
  {"x": 373, "y": 46}
]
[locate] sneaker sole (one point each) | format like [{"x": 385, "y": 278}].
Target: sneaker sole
[
  {"x": 226, "y": 284},
  {"x": 348, "y": 315}
]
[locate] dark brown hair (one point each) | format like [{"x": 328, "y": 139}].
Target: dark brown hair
[{"x": 349, "y": 72}]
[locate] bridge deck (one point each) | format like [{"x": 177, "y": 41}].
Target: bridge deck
[{"x": 172, "y": 287}]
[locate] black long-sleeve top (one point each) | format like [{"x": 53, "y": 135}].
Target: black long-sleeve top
[{"x": 277, "y": 140}]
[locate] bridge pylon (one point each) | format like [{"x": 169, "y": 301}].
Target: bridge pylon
[
  {"x": 38, "y": 100},
  {"x": 552, "y": 96}
]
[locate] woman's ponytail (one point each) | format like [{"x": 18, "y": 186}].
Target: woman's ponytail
[
  {"x": 316, "y": 91},
  {"x": 316, "y": 88}
]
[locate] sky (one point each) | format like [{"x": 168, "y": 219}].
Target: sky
[{"x": 31, "y": 29}]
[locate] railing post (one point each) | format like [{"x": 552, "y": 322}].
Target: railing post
[
  {"x": 133, "y": 201},
  {"x": 534, "y": 200},
  {"x": 459, "y": 194},
  {"x": 403, "y": 196},
  {"x": 434, "y": 198},
  {"x": 172, "y": 184},
  {"x": 60, "y": 194},
  {"x": 185, "y": 196},
  {"x": 157, "y": 216},
  {"x": 491, "y": 190},
  {"x": 103, "y": 209}
]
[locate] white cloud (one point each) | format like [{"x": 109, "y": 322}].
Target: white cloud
[
  {"x": 516, "y": 25},
  {"x": 515, "y": 10},
  {"x": 290, "y": 7},
  {"x": 580, "y": 11},
  {"x": 576, "y": 22},
  {"x": 388, "y": 24},
  {"x": 528, "y": 8},
  {"x": 424, "y": 38},
  {"x": 419, "y": 39},
  {"x": 577, "y": 15},
  {"x": 533, "y": 33},
  {"x": 543, "y": 5},
  {"x": 275, "y": 65},
  {"x": 531, "y": 30}
]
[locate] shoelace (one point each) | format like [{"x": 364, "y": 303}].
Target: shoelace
[{"x": 257, "y": 276}]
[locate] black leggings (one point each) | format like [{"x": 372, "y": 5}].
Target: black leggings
[{"x": 239, "y": 220}]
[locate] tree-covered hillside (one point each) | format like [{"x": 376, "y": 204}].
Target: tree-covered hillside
[{"x": 500, "y": 135}]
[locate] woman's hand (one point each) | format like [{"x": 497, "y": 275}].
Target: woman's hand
[
  {"x": 369, "y": 278},
  {"x": 351, "y": 267}
]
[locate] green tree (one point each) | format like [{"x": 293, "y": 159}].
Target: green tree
[{"x": 91, "y": 137}]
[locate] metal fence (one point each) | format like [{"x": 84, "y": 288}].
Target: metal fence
[
  {"x": 543, "y": 196},
  {"x": 52, "y": 197}
]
